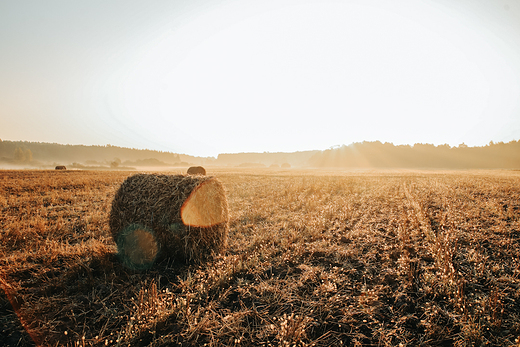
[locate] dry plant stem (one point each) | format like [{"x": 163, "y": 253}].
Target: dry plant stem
[{"x": 313, "y": 258}]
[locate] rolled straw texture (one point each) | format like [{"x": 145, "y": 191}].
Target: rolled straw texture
[{"x": 175, "y": 208}]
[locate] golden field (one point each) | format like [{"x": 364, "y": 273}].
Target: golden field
[{"x": 314, "y": 258}]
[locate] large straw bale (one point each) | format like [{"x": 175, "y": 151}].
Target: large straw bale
[{"x": 168, "y": 216}]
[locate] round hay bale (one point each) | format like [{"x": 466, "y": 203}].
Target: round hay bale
[
  {"x": 168, "y": 216},
  {"x": 196, "y": 170}
]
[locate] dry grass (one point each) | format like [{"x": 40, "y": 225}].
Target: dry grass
[{"x": 313, "y": 258}]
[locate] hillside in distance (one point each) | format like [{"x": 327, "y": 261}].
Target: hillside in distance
[
  {"x": 386, "y": 155},
  {"x": 268, "y": 159},
  {"x": 362, "y": 155},
  {"x": 23, "y": 153},
  {"x": 37, "y": 154}
]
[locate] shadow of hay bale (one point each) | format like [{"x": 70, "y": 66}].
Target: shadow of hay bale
[{"x": 178, "y": 217}]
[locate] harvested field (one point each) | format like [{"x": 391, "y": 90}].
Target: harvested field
[{"x": 313, "y": 258}]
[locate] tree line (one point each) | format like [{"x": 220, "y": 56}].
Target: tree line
[
  {"x": 357, "y": 155},
  {"x": 24, "y": 152},
  {"x": 387, "y": 155}
]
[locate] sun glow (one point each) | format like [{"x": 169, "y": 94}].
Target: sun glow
[
  {"x": 207, "y": 78},
  {"x": 313, "y": 75}
]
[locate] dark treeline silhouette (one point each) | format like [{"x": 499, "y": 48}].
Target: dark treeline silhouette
[
  {"x": 386, "y": 155},
  {"x": 23, "y": 152}
]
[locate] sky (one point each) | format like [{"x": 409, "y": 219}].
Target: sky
[{"x": 209, "y": 77}]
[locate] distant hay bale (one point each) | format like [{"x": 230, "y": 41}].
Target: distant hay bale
[
  {"x": 60, "y": 167},
  {"x": 168, "y": 216},
  {"x": 196, "y": 170}
]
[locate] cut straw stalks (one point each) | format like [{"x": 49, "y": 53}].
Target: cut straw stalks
[{"x": 178, "y": 217}]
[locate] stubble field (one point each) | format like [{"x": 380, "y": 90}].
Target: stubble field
[{"x": 313, "y": 258}]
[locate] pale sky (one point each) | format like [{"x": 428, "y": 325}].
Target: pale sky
[{"x": 210, "y": 77}]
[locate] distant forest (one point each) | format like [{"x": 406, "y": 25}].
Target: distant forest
[
  {"x": 357, "y": 155},
  {"x": 41, "y": 153},
  {"x": 386, "y": 155}
]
